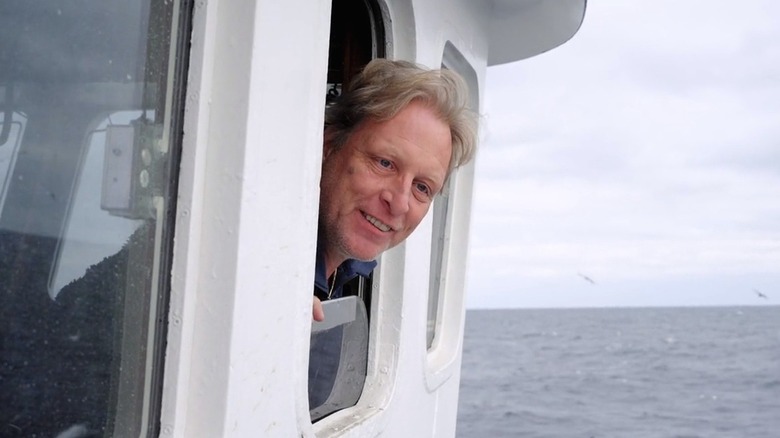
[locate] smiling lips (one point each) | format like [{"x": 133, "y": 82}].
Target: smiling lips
[{"x": 377, "y": 223}]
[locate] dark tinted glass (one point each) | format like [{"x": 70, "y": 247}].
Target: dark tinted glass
[{"x": 87, "y": 130}]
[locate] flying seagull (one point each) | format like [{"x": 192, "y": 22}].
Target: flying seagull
[
  {"x": 760, "y": 295},
  {"x": 586, "y": 278}
]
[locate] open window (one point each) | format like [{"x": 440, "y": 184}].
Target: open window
[{"x": 339, "y": 346}]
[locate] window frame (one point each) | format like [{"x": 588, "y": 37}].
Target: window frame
[{"x": 446, "y": 294}]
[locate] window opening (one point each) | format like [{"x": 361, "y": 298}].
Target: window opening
[
  {"x": 357, "y": 36},
  {"x": 338, "y": 354}
]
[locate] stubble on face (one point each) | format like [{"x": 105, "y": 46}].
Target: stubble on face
[{"x": 372, "y": 182}]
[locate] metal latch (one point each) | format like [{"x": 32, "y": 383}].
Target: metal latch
[{"x": 133, "y": 169}]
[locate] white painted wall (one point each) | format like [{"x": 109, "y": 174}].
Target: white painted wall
[
  {"x": 240, "y": 315},
  {"x": 246, "y": 225}
]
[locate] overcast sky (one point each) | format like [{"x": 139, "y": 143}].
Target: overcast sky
[{"x": 643, "y": 154}]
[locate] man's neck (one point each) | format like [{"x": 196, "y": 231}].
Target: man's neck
[
  {"x": 331, "y": 263},
  {"x": 330, "y": 259}
]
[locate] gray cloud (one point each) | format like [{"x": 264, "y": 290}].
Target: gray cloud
[{"x": 645, "y": 150}]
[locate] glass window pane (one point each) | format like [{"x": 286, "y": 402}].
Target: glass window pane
[
  {"x": 338, "y": 356},
  {"x": 91, "y": 234},
  {"x": 438, "y": 290},
  {"x": 88, "y": 113},
  {"x": 438, "y": 252}
]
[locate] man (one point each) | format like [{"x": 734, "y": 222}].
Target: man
[
  {"x": 390, "y": 144},
  {"x": 391, "y": 141}
]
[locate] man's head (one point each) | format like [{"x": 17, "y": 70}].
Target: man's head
[
  {"x": 385, "y": 87},
  {"x": 390, "y": 145}
]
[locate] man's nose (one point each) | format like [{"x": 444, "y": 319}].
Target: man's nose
[{"x": 397, "y": 196}]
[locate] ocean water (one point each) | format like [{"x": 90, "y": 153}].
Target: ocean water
[{"x": 598, "y": 373}]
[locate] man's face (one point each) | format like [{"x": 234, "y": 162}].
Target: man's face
[{"x": 378, "y": 186}]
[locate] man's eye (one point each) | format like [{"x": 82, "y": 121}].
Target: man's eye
[
  {"x": 422, "y": 188},
  {"x": 385, "y": 163}
]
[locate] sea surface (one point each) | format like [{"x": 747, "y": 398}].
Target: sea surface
[{"x": 597, "y": 373}]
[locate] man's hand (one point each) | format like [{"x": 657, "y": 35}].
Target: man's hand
[{"x": 317, "y": 313}]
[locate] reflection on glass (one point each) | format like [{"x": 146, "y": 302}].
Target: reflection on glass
[
  {"x": 91, "y": 233},
  {"x": 81, "y": 284},
  {"x": 11, "y": 132}
]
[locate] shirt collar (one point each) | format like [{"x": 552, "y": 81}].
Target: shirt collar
[{"x": 348, "y": 270}]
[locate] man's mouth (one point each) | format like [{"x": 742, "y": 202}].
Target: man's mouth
[{"x": 377, "y": 223}]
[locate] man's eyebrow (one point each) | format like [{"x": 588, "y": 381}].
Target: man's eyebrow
[{"x": 432, "y": 179}]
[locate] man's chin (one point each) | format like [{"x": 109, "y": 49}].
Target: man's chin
[
  {"x": 366, "y": 257},
  {"x": 366, "y": 254}
]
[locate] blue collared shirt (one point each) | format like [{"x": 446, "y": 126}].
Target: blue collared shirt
[{"x": 344, "y": 273}]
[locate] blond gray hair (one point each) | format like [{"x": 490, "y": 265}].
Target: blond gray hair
[{"x": 386, "y": 87}]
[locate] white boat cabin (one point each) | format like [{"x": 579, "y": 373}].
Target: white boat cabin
[{"x": 159, "y": 184}]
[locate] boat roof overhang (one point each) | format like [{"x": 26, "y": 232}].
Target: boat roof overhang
[{"x": 519, "y": 29}]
